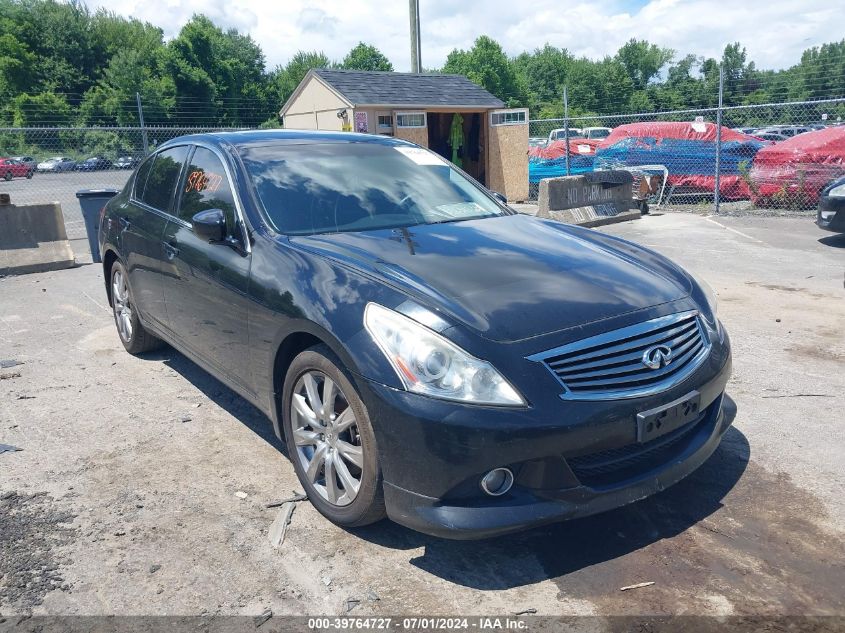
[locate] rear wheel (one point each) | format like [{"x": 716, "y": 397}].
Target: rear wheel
[
  {"x": 8, "y": 175},
  {"x": 132, "y": 334},
  {"x": 331, "y": 441},
  {"x": 29, "y": 174}
]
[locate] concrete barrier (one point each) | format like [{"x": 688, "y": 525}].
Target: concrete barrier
[
  {"x": 593, "y": 199},
  {"x": 33, "y": 239}
]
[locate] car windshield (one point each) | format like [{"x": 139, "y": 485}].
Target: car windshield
[
  {"x": 599, "y": 133},
  {"x": 341, "y": 187}
]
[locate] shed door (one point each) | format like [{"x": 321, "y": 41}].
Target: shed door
[{"x": 507, "y": 154}]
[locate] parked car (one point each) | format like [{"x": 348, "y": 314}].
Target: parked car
[
  {"x": 13, "y": 168},
  {"x": 831, "y": 215},
  {"x": 773, "y": 137},
  {"x": 427, "y": 353},
  {"x": 95, "y": 163},
  {"x": 126, "y": 162},
  {"x": 29, "y": 161},
  {"x": 560, "y": 134},
  {"x": 595, "y": 133},
  {"x": 745, "y": 130},
  {"x": 785, "y": 130},
  {"x": 794, "y": 172},
  {"x": 687, "y": 150},
  {"x": 57, "y": 164},
  {"x": 550, "y": 161}
]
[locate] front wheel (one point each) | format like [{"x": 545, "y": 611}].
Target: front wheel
[
  {"x": 331, "y": 441},
  {"x": 29, "y": 174},
  {"x": 134, "y": 337},
  {"x": 8, "y": 175}
]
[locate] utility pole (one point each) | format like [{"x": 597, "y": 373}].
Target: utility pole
[
  {"x": 566, "y": 127},
  {"x": 141, "y": 123},
  {"x": 416, "y": 54},
  {"x": 716, "y": 196}
]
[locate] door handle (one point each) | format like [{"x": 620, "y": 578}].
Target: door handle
[
  {"x": 170, "y": 250},
  {"x": 124, "y": 223}
]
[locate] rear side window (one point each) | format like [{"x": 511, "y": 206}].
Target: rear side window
[
  {"x": 141, "y": 177},
  {"x": 163, "y": 176},
  {"x": 206, "y": 186}
]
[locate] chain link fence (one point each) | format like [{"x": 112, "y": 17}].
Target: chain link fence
[
  {"x": 50, "y": 164},
  {"x": 773, "y": 155}
]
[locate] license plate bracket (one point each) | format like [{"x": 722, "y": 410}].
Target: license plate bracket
[{"x": 666, "y": 418}]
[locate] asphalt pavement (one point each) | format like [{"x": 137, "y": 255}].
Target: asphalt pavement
[{"x": 142, "y": 483}]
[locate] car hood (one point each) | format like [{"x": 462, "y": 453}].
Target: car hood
[{"x": 511, "y": 277}]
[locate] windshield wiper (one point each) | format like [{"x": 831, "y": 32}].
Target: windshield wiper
[{"x": 470, "y": 217}]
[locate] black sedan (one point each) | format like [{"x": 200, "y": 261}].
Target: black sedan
[
  {"x": 95, "y": 163},
  {"x": 126, "y": 162},
  {"x": 426, "y": 353},
  {"x": 831, "y": 216}
]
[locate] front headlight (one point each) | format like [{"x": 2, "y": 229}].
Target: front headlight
[
  {"x": 837, "y": 192},
  {"x": 706, "y": 294},
  {"x": 430, "y": 364}
]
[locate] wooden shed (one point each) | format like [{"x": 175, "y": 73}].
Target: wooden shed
[{"x": 445, "y": 113}]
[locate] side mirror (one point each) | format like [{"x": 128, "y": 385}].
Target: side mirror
[
  {"x": 500, "y": 197},
  {"x": 210, "y": 225}
]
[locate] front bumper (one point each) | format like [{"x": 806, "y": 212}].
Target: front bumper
[{"x": 434, "y": 453}]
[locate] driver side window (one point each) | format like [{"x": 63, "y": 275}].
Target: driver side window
[{"x": 206, "y": 186}]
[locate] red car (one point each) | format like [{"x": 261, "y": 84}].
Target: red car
[{"x": 11, "y": 168}]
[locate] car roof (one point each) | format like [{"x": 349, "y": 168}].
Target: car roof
[{"x": 248, "y": 138}]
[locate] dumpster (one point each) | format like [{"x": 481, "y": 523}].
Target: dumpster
[{"x": 92, "y": 201}]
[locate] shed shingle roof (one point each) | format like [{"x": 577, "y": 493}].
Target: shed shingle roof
[{"x": 407, "y": 89}]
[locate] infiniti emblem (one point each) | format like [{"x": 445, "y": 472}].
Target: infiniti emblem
[{"x": 657, "y": 356}]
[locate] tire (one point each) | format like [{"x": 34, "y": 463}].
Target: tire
[
  {"x": 339, "y": 447},
  {"x": 8, "y": 175},
  {"x": 132, "y": 334},
  {"x": 29, "y": 174}
]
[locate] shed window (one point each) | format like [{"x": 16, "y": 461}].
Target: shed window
[
  {"x": 508, "y": 117},
  {"x": 410, "y": 119}
]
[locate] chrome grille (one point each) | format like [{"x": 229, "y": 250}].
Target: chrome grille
[{"x": 611, "y": 365}]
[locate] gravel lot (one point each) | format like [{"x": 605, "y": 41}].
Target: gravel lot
[{"x": 142, "y": 483}]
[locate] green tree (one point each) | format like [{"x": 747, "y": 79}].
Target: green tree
[
  {"x": 544, "y": 71},
  {"x": 59, "y": 35},
  {"x": 287, "y": 78},
  {"x": 17, "y": 63},
  {"x": 366, "y": 57},
  {"x": 45, "y": 109},
  {"x": 643, "y": 61},
  {"x": 219, "y": 75},
  {"x": 599, "y": 87},
  {"x": 487, "y": 65}
]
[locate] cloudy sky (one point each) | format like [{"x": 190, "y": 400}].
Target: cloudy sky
[{"x": 775, "y": 32}]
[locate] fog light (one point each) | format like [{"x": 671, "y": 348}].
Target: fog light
[
  {"x": 497, "y": 482},
  {"x": 827, "y": 216}
]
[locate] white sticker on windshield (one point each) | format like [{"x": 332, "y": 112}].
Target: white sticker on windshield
[{"x": 421, "y": 156}]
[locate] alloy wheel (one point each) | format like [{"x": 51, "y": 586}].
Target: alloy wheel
[
  {"x": 122, "y": 305},
  {"x": 327, "y": 438}
]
